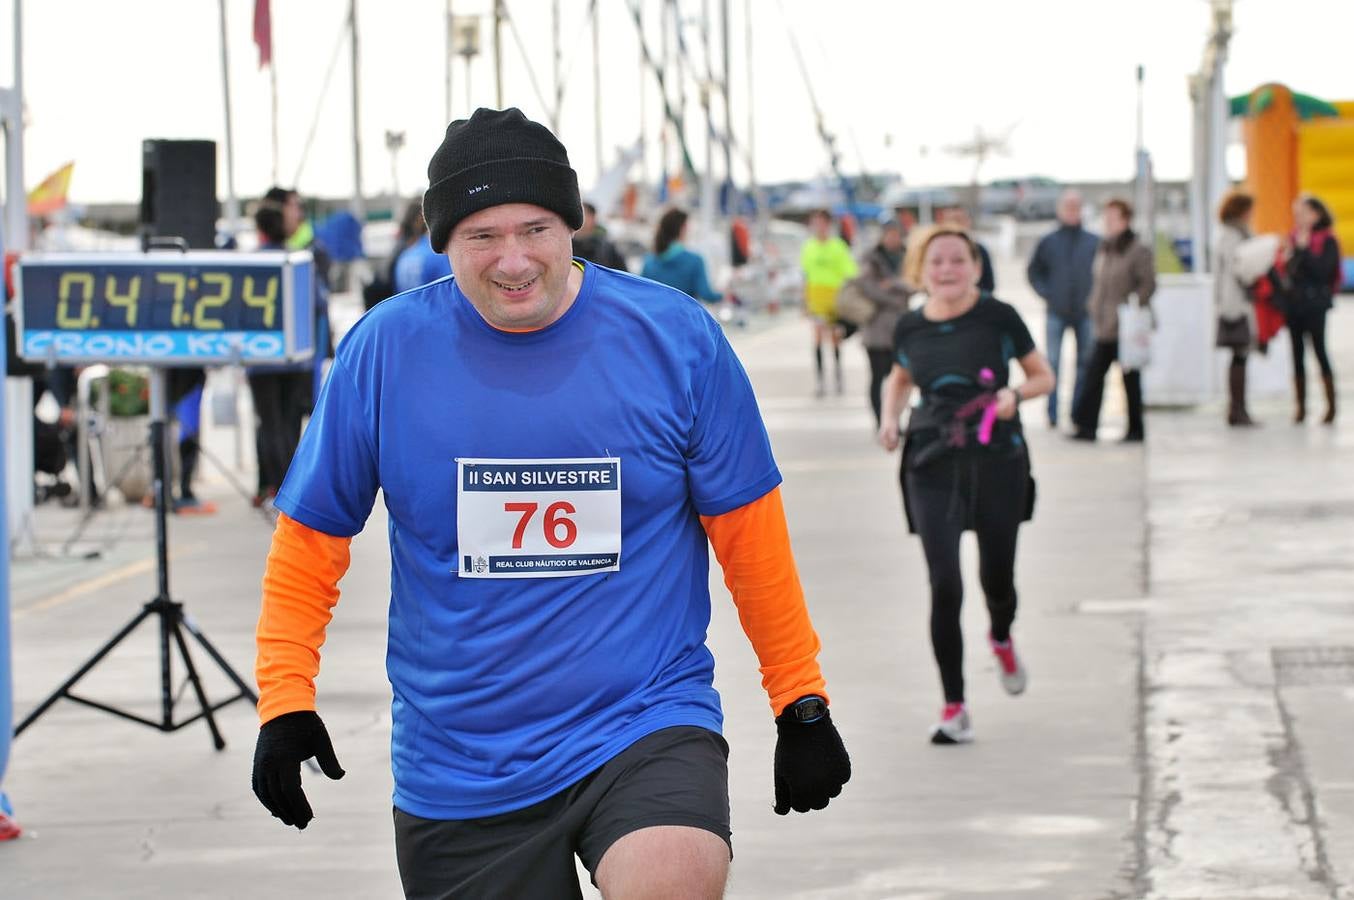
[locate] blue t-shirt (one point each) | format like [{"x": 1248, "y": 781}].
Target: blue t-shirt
[
  {"x": 419, "y": 264},
  {"x": 508, "y": 690}
]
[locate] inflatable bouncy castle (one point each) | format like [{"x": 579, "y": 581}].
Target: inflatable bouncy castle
[{"x": 1298, "y": 144}]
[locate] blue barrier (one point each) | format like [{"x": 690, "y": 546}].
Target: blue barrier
[{"x": 6, "y": 685}]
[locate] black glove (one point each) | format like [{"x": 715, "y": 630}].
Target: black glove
[
  {"x": 811, "y": 762},
  {"x": 284, "y": 743}
]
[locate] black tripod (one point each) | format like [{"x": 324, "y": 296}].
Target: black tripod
[{"x": 173, "y": 620}]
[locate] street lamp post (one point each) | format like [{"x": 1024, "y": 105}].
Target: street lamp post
[
  {"x": 466, "y": 31},
  {"x": 394, "y": 142}
]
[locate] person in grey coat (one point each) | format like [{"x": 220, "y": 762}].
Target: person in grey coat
[
  {"x": 1124, "y": 266},
  {"x": 1060, "y": 272},
  {"x": 881, "y": 280}
]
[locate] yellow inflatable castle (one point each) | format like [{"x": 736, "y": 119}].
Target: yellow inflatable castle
[{"x": 1297, "y": 144}]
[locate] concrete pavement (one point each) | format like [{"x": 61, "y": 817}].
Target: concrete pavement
[{"x": 1184, "y": 611}]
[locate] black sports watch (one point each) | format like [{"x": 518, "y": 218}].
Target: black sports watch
[{"x": 806, "y": 710}]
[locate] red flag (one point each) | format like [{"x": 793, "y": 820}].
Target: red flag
[{"x": 263, "y": 32}]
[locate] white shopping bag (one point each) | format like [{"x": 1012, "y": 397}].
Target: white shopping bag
[{"x": 1135, "y": 334}]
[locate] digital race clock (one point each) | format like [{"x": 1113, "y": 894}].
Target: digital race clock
[{"x": 166, "y": 308}]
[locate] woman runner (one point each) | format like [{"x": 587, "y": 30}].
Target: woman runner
[{"x": 965, "y": 465}]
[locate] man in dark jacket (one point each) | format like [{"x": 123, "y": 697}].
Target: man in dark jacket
[
  {"x": 1060, "y": 272},
  {"x": 592, "y": 244}
]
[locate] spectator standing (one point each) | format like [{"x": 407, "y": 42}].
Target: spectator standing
[
  {"x": 672, "y": 264},
  {"x": 280, "y": 392},
  {"x": 1060, "y": 271},
  {"x": 411, "y": 228},
  {"x": 1124, "y": 268},
  {"x": 1312, "y": 266},
  {"x": 418, "y": 263},
  {"x": 1235, "y": 330},
  {"x": 300, "y": 235},
  {"x": 591, "y": 242},
  {"x": 882, "y": 281},
  {"x": 958, "y": 217}
]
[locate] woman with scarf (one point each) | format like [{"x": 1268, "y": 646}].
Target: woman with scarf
[
  {"x": 965, "y": 466},
  {"x": 1236, "y": 332},
  {"x": 882, "y": 281},
  {"x": 1312, "y": 267},
  {"x": 1123, "y": 267}
]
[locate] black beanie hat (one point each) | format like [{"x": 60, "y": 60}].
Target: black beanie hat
[{"x": 496, "y": 157}]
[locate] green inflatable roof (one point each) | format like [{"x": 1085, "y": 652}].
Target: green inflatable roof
[{"x": 1258, "y": 100}]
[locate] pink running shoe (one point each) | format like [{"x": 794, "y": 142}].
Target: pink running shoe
[
  {"x": 954, "y": 726},
  {"x": 9, "y": 829},
  {"x": 1009, "y": 667}
]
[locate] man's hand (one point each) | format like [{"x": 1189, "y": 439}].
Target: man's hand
[
  {"x": 811, "y": 762},
  {"x": 284, "y": 743}
]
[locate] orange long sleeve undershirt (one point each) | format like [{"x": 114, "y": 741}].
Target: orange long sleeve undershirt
[
  {"x": 752, "y": 544},
  {"x": 300, "y": 588}
]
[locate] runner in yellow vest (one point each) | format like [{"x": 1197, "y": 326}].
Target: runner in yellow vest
[{"x": 827, "y": 263}]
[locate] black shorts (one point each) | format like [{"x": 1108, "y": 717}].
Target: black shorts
[{"x": 677, "y": 776}]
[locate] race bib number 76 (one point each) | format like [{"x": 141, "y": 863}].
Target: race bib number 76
[{"x": 538, "y": 518}]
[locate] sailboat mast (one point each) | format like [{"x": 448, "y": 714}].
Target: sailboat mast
[
  {"x": 359, "y": 204},
  {"x": 597, "y": 87},
  {"x": 558, "y": 99},
  {"x": 232, "y": 203},
  {"x": 725, "y": 85}
]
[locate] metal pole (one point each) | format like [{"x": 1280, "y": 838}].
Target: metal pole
[
  {"x": 1138, "y": 141},
  {"x": 752, "y": 103},
  {"x": 450, "y": 57},
  {"x": 1218, "y": 112},
  {"x": 498, "y": 53},
  {"x": 663, "y": 67},
  {"x": 597, "y": 89},
  {"x": 728, "y": 100},
  {"x": 359, "y": 204},
  {"x": 232, "y": 204},
  {"x": 159, "y": 412},
  {"x": 708, "y": 181},
  {"x": 272, "y": 88},
  {"x": 555, "y": 66},
  {"x": 6, "y": 674},
  {"x": 1198, "y": 190},
  {"x": 643, "y": 103},
  {"x": 16, "y": 198},
  {"x": 680, "y": 62}
]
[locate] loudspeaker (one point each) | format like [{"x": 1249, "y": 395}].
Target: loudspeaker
[{"x": 178, "y": 191}]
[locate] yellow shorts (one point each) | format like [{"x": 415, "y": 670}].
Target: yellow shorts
[{"x": 821, "y": 301}]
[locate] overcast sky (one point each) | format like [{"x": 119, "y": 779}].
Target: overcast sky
[{"x": 899, "y": 82}]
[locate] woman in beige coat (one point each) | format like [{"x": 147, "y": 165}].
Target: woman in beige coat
[
  {"x": 1123, "y": 267},
  {"x": 1235, "y": 328}
]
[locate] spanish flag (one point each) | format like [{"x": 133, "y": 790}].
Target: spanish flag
[{"x": 50, "y": 196}]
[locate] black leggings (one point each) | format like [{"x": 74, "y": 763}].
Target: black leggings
[
  {"x": 1312, "y": 323},
  {"x": 1087, "y": 414},
  {"x": 881, "y": 363},
  {"x": 279, "y": 408},
  {"x": 989, "y": 496}
]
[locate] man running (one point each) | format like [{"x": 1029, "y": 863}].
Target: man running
[{"x": 555, "y": 443}]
